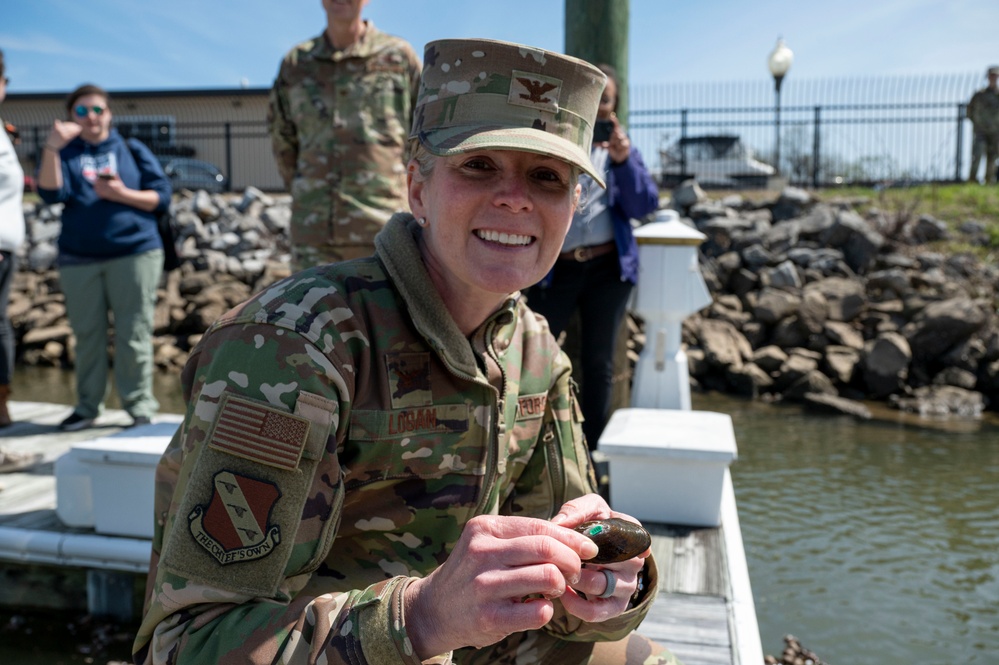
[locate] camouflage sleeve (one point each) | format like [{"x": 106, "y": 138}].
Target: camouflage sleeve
[
  {"x": 282, "y": 128},
  {"x": 252, "y": 488},
  {"x": 579, "y": 479}
]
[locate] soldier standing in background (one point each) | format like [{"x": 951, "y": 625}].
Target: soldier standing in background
[
  {"x": 983, "y": 111},
  {"x": 340, "y": 112}
]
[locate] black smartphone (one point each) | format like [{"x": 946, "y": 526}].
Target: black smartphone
[
  {"x": 602, "y": 131},
  {"x": 106, "y": 176}
]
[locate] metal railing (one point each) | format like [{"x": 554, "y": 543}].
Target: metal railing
[
  {"x": 833, "y": 132},
  {"x": 241, "y": 149}
]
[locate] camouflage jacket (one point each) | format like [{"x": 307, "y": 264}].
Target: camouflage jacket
[
  {"x": 339, "y": 123},
  {"x": 983, "y": 111},
  {"x": 340, "y": 432}
]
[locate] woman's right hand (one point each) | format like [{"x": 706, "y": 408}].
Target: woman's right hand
[
  {"x": 62, "y": 132},
  {"x": 499, "y": 579}
]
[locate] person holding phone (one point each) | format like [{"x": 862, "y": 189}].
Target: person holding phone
[
  {"x": 110, "y": 252},
  {"x": 598, "y": 265}
]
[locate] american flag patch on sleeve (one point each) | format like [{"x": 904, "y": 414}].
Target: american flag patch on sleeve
[{"x": 260, "y": 433}]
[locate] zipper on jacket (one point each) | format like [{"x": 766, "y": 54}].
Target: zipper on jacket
[
  {"x": 499, "y": 406},
  {"x": 553, "y": 450}
]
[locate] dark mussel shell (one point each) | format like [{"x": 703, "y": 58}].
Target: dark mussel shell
[{"x": 618, "y": 539}]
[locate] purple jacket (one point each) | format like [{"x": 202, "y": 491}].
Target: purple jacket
[{"x": 631, "y": 194}]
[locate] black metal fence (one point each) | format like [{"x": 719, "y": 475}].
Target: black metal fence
[
  {"x": 814, "y": 133},
  {"x": 817, "y": 133},
  {"x": 224, "y": 127},
  {"x": 241, "y": 149}
]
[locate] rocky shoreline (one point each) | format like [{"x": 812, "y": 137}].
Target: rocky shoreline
[
  {"x": 794, "y": 654},
  {"x": 818, "y": 304},
  {"x": 814, "y": 302}
]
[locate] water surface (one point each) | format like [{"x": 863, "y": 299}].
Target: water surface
[{"x": 873, "y": 542}]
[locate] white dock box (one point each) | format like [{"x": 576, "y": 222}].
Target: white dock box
[
  {"x": 109, "y": 483},
  {"x": 668, "y": 465}
]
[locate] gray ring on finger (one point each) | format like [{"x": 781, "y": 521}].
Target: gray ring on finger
[{"x": 611, "y": 583}]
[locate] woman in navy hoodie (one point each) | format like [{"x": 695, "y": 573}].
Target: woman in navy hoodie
[
  {"x": 110, "y": 253},
  {"x": 598, "y": 265}
]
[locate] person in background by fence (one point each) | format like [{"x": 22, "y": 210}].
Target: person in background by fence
[
  {"x": 598, "y": 265},
  {"x": 110, "y": 252},
  {"x": 340, "y": 111},
  {"x": 11, "y": 237},
  {"x": 983, "y": 111}
]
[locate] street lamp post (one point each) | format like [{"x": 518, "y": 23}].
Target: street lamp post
[{"x": 779, "y": 63}]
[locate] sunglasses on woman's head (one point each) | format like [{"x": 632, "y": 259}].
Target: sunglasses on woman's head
[{"x": 82, "y": 111}]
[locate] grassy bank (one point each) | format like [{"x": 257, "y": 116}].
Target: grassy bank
[{"x": 953, "y": 204}]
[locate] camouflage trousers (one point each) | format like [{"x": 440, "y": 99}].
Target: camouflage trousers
[
  {"x": 309, "y": 256},
  {"x": 987, "y": 146},
  {"x": 535, "y": 647}
]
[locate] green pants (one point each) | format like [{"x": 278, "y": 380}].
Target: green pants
[
  {"x": 125, "y": 288},
  {"x": 987, "y": 146}
]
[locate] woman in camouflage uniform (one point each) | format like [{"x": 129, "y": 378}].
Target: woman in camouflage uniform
[{"x": 381, "y": 457}]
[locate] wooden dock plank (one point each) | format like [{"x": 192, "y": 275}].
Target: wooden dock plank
[
  {"x": 691, "y": 615},
  {"x": 691, "y": 560}
]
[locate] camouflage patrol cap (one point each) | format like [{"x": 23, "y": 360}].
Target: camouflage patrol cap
[
  {"x": 483, "y": 94},
  {"x": 993, "y": 71}
]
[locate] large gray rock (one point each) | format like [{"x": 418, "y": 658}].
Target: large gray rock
[
  {"x": 941, "y": 401},
  {"x": 783, "y": 276},
  {"x": 748, "y": 380},
  {"x": 928, "y": 229},
  {"x": 774, "y": 305},
  {"x": 686, "y": 194},
  {"x": 814, "y": 382},
  {"x": 859, "y": 242},
  {"x": 886, "y": 364},
  {"x": 955, "y": 376},
  {"x": 844, "y": 334},
  {"x": 793, "y": 202},
  {"x": 769, "y": 358},
  {"x": 845, "y": 298},
  {"x": 723, "y": 345},
  {"x": 941, "y": 325},
  {"x": 834, "y": 405},
  {"x": 813, "y": 312},
  {"x": 840, "y": 363},
  {"x": 891, "y": 282}
]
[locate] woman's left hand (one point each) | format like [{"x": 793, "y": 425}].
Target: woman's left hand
[
  {"x": 619, "y": 145},
  {"x": 593, "y": 582}
]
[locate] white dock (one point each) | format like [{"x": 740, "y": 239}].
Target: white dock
[{"x": 704, "y": 612}]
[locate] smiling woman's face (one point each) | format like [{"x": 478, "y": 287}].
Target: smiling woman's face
[{"x": 496, "y": 220}]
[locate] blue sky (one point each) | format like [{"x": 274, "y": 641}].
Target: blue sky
[{"x": 54, "y": 45}]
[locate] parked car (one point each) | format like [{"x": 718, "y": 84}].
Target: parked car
[
  {"x": 719, "y": 160},
  {"x": 187, "y": 173}
]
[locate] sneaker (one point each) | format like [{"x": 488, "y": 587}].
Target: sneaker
[
  {"x": 140, "y": 420},
  {"x": 76, "y": 422}
]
